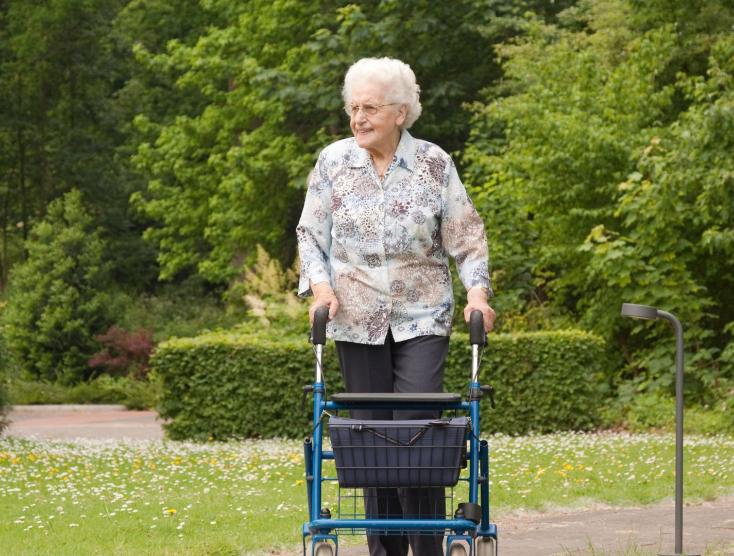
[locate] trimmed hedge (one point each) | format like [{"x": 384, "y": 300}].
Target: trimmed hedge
[{"x": 226, "y": 385}]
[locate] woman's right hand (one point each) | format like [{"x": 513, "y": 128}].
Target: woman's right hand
[{"x": 323, "y": 297}]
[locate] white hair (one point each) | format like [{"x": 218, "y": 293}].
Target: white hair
[{"x": 395, "y": 76}]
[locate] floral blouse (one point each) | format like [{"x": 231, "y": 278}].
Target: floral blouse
[{"x": 384, "y": 245}]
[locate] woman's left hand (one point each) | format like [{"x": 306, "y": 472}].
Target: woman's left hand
[{"x": 476, "y": 300}]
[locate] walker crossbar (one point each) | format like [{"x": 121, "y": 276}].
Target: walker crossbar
[
  {"x": 335, "y": 406},
  {"x": 396, "y": 397},
  {"x": 395, "y": 524}
]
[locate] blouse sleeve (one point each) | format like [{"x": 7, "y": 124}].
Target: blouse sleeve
[
  {"x": 462, "y": 232},
  {"x": 314, "y": 231}
]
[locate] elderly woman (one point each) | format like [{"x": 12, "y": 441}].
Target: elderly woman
[{"x": 383, "y": 213}]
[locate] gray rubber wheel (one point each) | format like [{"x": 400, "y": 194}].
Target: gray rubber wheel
[
  {"x": 323, "y": 549},
  {"x": 486, "y": 546},
  {"x": 457, "y": 550}
]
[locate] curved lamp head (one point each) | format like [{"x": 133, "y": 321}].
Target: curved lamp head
[{"x": 639, "y": 311}]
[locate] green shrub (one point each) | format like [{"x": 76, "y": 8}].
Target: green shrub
[
  {"x": 175, "y": 310},
  {"x": 133, "y": 394},
  {"x": 4, "y": 401},
  {"x": 5, "y": 371},
  {"x": 3, "y": 407},
  {"x": 228, "y": 384},
  {"x": 654, "y": 411},
  {"x": 711, "y": 420},
  {"x": 544, "y": 381},
  {"x": 651, "y": 411},
  {"x": 643, "y": 412},
  {"x": 58, "y": 300}
]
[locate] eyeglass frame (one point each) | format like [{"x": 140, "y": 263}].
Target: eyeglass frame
[{"x": 354, "y": 109}]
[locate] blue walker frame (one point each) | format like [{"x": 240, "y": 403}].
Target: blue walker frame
[{"x": 322, "y": 528}]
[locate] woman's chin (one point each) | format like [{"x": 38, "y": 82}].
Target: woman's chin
[{"x": 364, "y": 140}]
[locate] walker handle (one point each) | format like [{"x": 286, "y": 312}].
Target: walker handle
[
  {"x": 318, "y": 330},
  {"x": 477, "y": 336}
]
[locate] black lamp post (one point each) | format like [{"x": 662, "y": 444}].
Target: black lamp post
[{"x": 651, "y": 313}]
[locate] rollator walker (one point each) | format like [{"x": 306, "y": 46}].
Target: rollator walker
[{"x": 446, "y": 452}]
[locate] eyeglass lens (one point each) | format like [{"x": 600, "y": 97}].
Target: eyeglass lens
[{"x": 368, "y": 109}]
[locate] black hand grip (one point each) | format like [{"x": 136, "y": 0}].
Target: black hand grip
[
  {"x": 476, "y": 328},
  {"x": 318, "y": 330},
  {"x": 490, "y": 391}
]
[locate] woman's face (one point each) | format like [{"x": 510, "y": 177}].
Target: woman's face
[{"x": 375, "y": 132}]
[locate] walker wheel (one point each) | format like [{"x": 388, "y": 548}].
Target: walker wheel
[
  {"x": 457, "y": 550},
  {"x": 486, "y": 546},
  {"x": 323, "y": 549}
]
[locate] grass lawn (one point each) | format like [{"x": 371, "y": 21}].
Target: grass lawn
[{"x": 98, "y": 497}]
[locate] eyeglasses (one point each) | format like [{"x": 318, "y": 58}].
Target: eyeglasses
[{"x": 367, "y": 109}]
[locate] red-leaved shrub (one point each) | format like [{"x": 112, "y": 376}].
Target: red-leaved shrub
[{"x": 125, "y": 353}]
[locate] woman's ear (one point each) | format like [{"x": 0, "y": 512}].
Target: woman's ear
[{"x": 402, "y": 114}]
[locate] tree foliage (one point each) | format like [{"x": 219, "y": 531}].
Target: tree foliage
[
  {"x": 61, "y": 126},
  {"x": 604, "y": 171},
  {"x": 595, "y": 135},
  {"x": 230, "y": 174},
  {"x": 673, "y": 241},
  {"x": 57, "y": 300}
]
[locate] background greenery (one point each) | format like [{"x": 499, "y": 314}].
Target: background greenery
[{"x": 153, "y": 157}]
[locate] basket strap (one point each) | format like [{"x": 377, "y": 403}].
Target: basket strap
[{"x": 386, "y": 438}]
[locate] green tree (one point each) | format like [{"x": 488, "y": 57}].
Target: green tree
[
  {"x": 553, "y": 151},
  {"x": 57, "y": 298},
  {"x": 61, "y": 69},
  {"x": 230, "y": 174},
  {"x": 602, "y": 170},
  {"x": 673, "y": 244}
]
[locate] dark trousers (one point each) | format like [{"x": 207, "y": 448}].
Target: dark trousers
[{"x": 412, "y": 366}]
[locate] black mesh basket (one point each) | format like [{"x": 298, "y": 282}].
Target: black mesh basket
[{"x": 411, "y": 453}]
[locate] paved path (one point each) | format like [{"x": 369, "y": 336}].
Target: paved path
[
  {"x": 613, "y": 531},
  {"x": 610, "y": 531},
  {"x": 706, "y": 525},
  {"x": 83, "y": 421}
]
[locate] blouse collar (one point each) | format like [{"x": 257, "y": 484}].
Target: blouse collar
[{"x": 405, "y": 153}]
